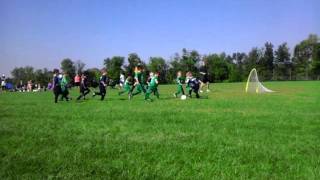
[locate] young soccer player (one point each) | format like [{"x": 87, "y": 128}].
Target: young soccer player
[
  {"x": 152, "y": 87},
  {"x": 84, "y": 89},
  {"x": 127, "y": 85},
  {"x": 193, "y": 84},
  {"x": 121, "y": 80},
  {"x": 179, "y": 82},
  {"x": 64, "y": 87},
  {"x": 204, "y": 81},
  {"x": 56, "y": 85},
  {"x": 139, "y": 81},
  {"x": 188, "y": 77},
  {"x": 103, "y": 83}
]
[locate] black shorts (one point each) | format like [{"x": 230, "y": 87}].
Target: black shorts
[
  {"x": 102, "y": 89},
  {"x": 205, "y": 79}
]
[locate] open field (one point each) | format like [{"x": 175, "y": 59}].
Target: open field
[{"x": 226, "y": 134}]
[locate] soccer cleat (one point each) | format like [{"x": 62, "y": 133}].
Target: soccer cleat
[
  {"x": 208, "y": 90},
  {"x": 93, "y": 94},
  {"x": 130, "y": 96},
  {"x": 201, "y": 91},
  {"x": 175, "y": 95}
]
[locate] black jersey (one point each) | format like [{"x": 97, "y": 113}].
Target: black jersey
[
  {"x": 194, "y": 83},
  {"x": 103, "y": 80}
]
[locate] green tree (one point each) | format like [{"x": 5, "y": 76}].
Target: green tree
[
  {"x": 79, "y": 66},
  {"x": 158, "y": 64},
  {"x": 113, "y": 66},
  {"x": 68, "y": 67},
  {"x": 133, "y": 61},
  {"x": 93, "y": 75},
  {"x": 236, "y": 67},
  {"x": 265, "y": 65},
  {"x": 316, "y": 61},
  {"x": 303, "y": 56},
  {"x": 190, "y": 60},
  {"x": 252, "y": 60},
  {"x": 174, "y": 67},
  {"x": 218, "y": 68},
  {"x": 283, "y": 64}
]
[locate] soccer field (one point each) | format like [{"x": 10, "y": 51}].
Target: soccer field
[{"x": 225, "y": 134}]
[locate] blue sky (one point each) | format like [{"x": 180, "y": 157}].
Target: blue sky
[{"x": 41, "y": 33}]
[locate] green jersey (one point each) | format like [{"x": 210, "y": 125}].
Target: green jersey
[
  {"x": 128, "y": 82},
  {"x": 153, "y": 82},
  {"x": 179, "y": 80},
  {"x": 64, "y": 82},
  {"x": 138, "y": 76}
]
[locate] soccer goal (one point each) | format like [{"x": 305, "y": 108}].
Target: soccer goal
[{"x": 254, "y": 85}]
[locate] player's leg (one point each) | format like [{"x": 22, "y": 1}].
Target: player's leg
[
  {"x": 81, "y": 93},
  {"x": 125, "y": 89},
  {"x": 138, "y": 90},
  {"x": 56, "y": 92},
  {"x": 190, "y": 91},
  {"x": 196, "y": 91},
  {"x": 156, "y": 93},
  {"x": 147, "y": 95},
  {"x": 103, "y": 92},
  {"x": 86, "y": 91}
]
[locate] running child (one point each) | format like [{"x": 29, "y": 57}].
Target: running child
[
  {"x": 139, "y": 81},
  {"x": 56, "y": 85},
  {"x": 64, "y": 87},
  {"x": 103, "y": 83},
  {"x": 193, "y": 84},
  {"x": 84, "y": 89},
  {"x": 152, "y": 87},
  {"x": 179, "y": 82},
  {"x": 204, "y": 81},
  {"x": 127, "y": 85},
  {"x": 121, "y": 80}
]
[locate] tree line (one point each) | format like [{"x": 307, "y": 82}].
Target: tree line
[{"x": 271, "y": 63}]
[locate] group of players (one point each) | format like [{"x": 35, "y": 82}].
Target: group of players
[{"x": 133, "y": 86}]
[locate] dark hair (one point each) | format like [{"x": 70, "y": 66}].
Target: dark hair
[{"x": 55, "y": 70}]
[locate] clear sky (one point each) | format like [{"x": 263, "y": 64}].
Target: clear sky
[{"x": 41, "y": 33}]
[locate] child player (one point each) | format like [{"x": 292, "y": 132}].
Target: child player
[
  {"x": 204, "y": 81},
  {"x": 193, "y": 84},
  {"x": 188, "y": 77},
  {"x": 153, "y": 86},
  {"x": 84, "y": 89},
  {"x": 127, "y": 85},
  {"x": 139, "y": 81},
  {"x": 103, "y": 82},
  {"x": 64, "y": 87},
  {"x": 56, "y": 85},
  {"x": 179, "y": 82}
]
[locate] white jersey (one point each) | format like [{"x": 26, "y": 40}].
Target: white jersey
[{"x": 122, "y": 78}]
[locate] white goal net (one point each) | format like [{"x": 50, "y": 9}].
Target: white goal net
[{"x": 254, "y": 85}]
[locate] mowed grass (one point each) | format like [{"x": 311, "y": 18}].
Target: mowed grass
[{"x": 226, "y": 134}]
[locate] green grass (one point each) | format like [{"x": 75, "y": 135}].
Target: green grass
[{"x": 225, "y": 135}]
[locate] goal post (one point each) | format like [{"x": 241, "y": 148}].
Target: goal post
[{"x": 254, "y": 85}]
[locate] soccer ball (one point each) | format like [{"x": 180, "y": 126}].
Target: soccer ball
[{"x": 183, "y": 97}]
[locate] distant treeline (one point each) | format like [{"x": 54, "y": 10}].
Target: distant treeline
[{"x": 271, "y": 64}]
